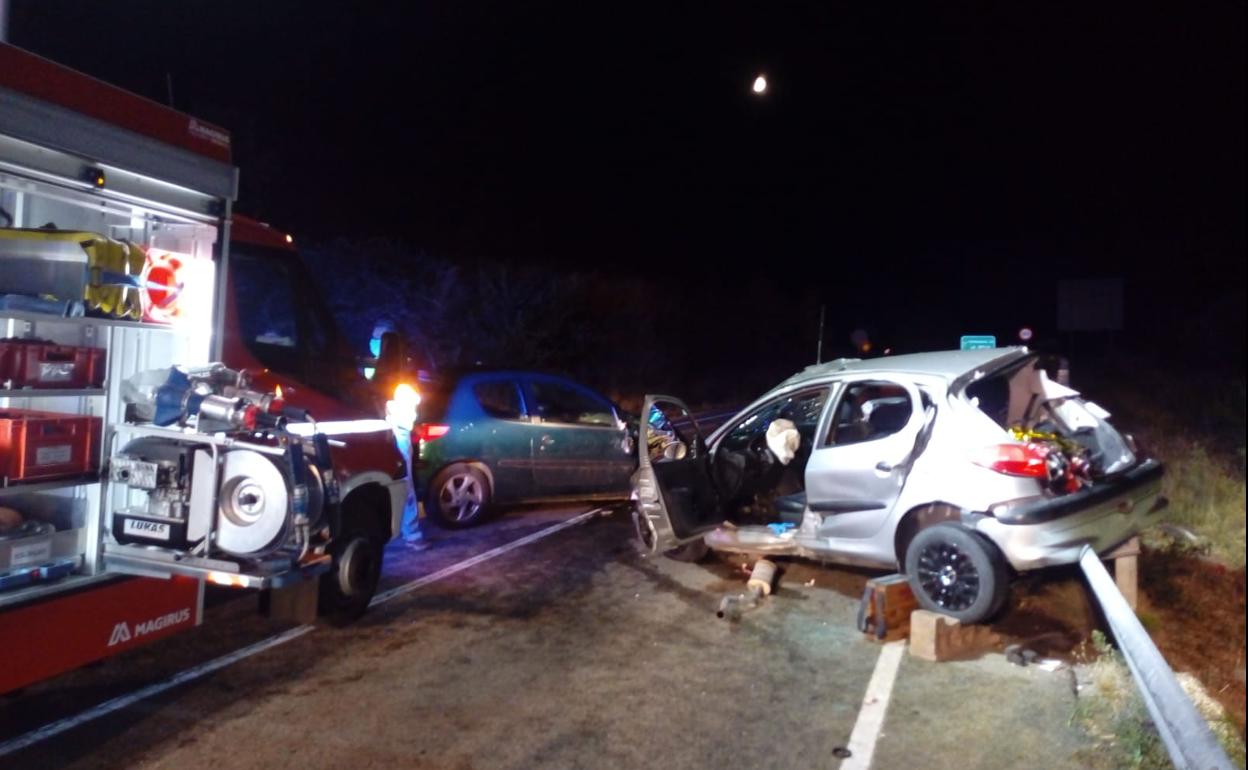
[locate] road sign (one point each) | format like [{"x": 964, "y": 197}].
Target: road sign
[{"x": 978, "y": 341}]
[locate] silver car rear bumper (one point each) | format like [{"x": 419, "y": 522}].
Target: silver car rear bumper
[{"x": 1102, "y": 518}]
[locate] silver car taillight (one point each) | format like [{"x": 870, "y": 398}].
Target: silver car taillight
[{"x": 1026, "y": 460}]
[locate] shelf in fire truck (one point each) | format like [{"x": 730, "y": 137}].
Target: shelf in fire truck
[
  {"x": 24, "y": 315},
  {"x": 150, "y": 561},
  {"x": 21, "y": 488},
  {"x": 50, "y": 392},
  {"x": 41, "y": 591}
]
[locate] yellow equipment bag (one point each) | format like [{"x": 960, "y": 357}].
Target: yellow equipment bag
[{"x": 113, "y": 270}]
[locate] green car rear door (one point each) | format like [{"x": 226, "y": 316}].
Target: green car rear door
[
  {"x": 581, "y": 447},
  {"x": 507, "y": 437}
]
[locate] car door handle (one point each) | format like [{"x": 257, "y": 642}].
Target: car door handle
[
  {"x": 545, "y": 441},
  {"x": 884, "y": 467}
]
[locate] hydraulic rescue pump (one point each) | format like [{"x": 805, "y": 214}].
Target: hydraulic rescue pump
[{"x": 219, "y": 474}]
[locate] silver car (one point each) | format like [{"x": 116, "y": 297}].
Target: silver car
[{"x": 956, "y": 468}]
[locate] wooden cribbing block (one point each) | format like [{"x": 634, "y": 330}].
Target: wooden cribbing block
[
  {"x": 938, "y": 637},
  {"x": 933, "y": 636},
  {"x": 887, "y": 602}
]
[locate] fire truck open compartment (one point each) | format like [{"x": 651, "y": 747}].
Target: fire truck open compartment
[
  {"x": 115, "y": 232},
  {"x": 75, "y": 505}
]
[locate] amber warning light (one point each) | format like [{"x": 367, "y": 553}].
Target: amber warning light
[{"x": 95, "y": 177}]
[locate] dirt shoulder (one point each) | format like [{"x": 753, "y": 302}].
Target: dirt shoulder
[{"x": 1194, "y": 610}]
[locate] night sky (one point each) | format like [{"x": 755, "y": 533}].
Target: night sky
[{"x": 907, "y": 162}]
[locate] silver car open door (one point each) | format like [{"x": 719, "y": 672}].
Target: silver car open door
[{"x": 676, "y": 497}]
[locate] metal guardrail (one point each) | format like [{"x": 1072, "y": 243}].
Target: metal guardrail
[{"x": 1186, "y": 735}]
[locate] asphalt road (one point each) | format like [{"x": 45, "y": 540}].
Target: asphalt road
[{"x": 571, "y": 651}]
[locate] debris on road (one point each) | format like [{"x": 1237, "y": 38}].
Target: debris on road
[
  {"x": 1020, "y": 655},
  {"x": 759, "y": 585}
]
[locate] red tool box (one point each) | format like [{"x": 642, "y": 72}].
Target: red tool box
[
  {"x": 40, "y": 364},
  {"x": 40, "y": 446}
]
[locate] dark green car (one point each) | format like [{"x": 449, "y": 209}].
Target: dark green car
[{"x": 488, "y": 439}]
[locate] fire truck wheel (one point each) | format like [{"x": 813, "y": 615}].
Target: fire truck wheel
[
  {"x": 458, "y": 497},
  {"x": 349, "y": 586}
]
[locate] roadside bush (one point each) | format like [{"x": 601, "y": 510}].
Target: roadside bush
[
  {"x": 1112, "y": 713},
  {"x": 1192, "y": 421},
  {"x": 1206, "y": 498}
]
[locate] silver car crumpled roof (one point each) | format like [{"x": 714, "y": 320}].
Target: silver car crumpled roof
[{"x": 948, "y": 364}]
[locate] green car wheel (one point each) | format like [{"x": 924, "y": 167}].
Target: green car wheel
[{"x": 459, "y": 496}]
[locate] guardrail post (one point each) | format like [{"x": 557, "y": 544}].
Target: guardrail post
[
  {"x": 1127, "y": 570},
  {"x": 1186, "y": 735}
]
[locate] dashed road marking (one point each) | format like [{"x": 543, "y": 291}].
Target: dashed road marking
[
  {"x": 433, "y": 577},
  {"x": 196, "y": 672},
  {"x": 874, "y": 707}
]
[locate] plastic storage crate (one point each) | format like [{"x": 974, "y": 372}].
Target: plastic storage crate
[
  {"x": 39, "y": 364},
  {"x": 48, "y": 543},
  {"x": 42, "y": 446}
]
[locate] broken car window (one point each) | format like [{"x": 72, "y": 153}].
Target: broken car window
[
  {"x": 669, "y": 433},
  {"x": 868, "y": 411},
  {"x": 803, "y": 409}
]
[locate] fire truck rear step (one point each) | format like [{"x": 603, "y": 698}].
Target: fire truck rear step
[{"x": 146, "y": 561}]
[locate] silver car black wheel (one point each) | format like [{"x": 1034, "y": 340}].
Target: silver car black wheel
[
  {"x": 957, "y": 572},
  {"x": 948, "y": 576}
]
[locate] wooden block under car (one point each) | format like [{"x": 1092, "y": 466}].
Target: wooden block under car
[
  {"x": 887, "y": 602},
  {"x": 932, "y": 635},
  {"x": 938, "y": 637}
]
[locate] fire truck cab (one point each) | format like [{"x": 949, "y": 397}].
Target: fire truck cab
[
  {"x": 120, "y": 254},
  {"x": 295, "y": 345}
]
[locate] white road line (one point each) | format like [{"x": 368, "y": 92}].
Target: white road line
[
  {"x": 433, "y": 577},
  {"x": 874, "y": 707},
  {"x": 123, "y": 701}
]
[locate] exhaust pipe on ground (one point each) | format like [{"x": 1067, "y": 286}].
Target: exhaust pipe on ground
[{"x": 733, "y": 606}]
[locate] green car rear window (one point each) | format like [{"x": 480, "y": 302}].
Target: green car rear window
[
  {"x": 434, "y": 396},
  {"x": 499, "y": 399}
]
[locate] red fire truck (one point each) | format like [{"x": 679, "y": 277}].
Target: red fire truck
[{"x": 119, "y": 255}]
